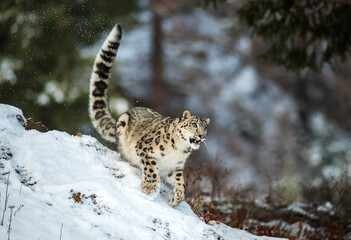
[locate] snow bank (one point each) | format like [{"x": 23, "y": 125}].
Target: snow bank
[{"x": 47, "y": 170}]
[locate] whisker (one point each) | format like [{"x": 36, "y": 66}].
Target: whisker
[{"x": 206, "y": 146}]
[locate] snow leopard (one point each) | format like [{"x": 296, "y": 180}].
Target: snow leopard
[{"x": 158, "y": 145}]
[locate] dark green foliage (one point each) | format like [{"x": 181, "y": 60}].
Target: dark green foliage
[
  {"x": 302, "y": 34},
  {"x": 206, "y": 3},
  {"x": 41, "y": 42}
]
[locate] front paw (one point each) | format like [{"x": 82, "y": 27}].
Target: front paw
[
  {"x": 151, "y": 190},
  {"x": 176, "y": 199}
]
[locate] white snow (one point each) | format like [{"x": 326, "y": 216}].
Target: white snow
[
  {"x": 299, "y": 208},
  {"x": 46, "y": 169}
]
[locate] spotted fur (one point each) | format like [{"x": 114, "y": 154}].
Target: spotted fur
[{"x": 156, "y": 144}]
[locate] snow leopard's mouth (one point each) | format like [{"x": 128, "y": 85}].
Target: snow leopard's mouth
[{"x": 198, "y": 140}]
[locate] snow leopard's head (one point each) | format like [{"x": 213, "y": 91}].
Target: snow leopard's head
[{"x": 193, "y": 129}]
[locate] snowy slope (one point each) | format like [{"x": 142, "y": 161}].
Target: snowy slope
[{"x": 47, "y": 169}]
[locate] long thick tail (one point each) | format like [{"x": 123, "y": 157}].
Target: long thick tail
[{"x": 100, "y": 113}]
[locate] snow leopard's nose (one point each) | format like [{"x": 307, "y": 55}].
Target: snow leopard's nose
[{"x": 202, "y": 136}]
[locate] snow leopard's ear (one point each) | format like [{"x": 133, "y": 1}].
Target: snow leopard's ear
[
  {"x": 186, "y": 115},
  {"x": 207, "y": 120}
]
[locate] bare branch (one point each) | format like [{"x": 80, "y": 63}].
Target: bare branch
[{"x": 6, "y": 199}]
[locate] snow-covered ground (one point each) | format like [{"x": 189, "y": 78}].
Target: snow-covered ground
[{"x": 46, "y": 173}]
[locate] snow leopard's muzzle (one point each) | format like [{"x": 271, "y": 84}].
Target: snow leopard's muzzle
[{"x": 196, "y": 141}]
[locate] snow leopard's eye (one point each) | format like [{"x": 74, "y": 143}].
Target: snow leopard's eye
[
  {"x": 205, "y": 129},
  {"x": 194, "y": 125}
]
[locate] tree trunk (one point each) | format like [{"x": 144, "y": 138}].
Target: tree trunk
[
  {"x": 158, "y": 86},
  {"x": 302, "y": 103}
]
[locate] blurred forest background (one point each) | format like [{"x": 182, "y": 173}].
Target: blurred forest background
[{"x": 274, "y": 76}]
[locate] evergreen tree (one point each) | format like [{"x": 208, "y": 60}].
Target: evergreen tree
[
  {"x": 43, "y": 70},
  {"x": 302, "y": 34}
]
